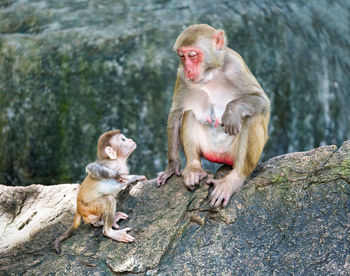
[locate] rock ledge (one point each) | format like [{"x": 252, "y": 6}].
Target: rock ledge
[{"x": 293, "y": 216}]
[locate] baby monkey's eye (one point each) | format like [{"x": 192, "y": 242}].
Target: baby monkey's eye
[{"x": 123, "y": 139}]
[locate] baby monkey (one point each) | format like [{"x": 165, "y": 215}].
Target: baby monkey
[{"x": 96, "y": 200}]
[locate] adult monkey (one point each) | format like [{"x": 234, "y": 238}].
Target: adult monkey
[{"x": 219, "y": 112}]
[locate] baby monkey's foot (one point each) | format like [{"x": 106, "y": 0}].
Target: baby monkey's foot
[
  {"x": 123, "y": 236},
  {"x": 119, "y": 235},
  {"x": 118, "y": 217}
]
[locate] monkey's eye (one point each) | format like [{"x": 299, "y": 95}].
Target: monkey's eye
[
  {"x": 192, "y": 54},
  {"x": 123, "y": 139},
  {"x": 181, "y": 54}
]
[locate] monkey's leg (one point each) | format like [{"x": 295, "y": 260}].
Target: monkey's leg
[
  {"x": 98, "y": 223},
  {"x": 118, "y": 217},
  {"x": 191, "y": 130},
  {"x": 247, "y": 148},
  {"x": 108, "y": 217}
]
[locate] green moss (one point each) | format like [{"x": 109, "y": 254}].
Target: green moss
[
  {"x": 345, "y": 167},
  {"x": 280, "y": 178}
]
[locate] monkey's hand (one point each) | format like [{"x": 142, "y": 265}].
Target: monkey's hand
[
  {"x": 231, "y": 119},
  {"x": 192, "y": 176},
  {"x": 173, "y": 168},
  {"x": 134, "y": 178}
]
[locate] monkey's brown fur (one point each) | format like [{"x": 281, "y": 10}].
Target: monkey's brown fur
[
  {"x": 215, "y": 95},
  {"x": 96, "y": 203}
]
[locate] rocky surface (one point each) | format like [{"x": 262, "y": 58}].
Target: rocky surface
[
  {"x": 292, "y": 217},
  {"x": 25, "y": 211}
]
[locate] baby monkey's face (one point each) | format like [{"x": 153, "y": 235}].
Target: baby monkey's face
[{"x": 122, "y": 145}]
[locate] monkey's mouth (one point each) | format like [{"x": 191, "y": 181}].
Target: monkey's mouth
[
  {"x": 191, "y": 73},
  {"x": 194, "y": 78},
  {"x": 131, "y": 149},
  {"x": 133, "y": 146}
]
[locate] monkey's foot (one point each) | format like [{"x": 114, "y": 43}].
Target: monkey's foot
[
  {"x": 120, "y": 235},
  {"x": 193, "y": 175},
  {"x": 120, "y": 215},
  {"x": 224, "y": 188},
  {"x": 115, "y": 225}
]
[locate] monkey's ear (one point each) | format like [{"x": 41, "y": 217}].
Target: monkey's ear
[
  {"x": 110, "y": 152},
  {"x": 219, "y": 39}
]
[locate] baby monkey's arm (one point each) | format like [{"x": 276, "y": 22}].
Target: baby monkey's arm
[
  {"x": 99, "y": 170},
  {"x": 128, "y": 179}
]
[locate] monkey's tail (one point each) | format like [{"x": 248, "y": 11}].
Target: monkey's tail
[{"x": 69, "y": 232}]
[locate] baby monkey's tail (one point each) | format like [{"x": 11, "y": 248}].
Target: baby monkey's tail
[{"x": 69, "y": 232}]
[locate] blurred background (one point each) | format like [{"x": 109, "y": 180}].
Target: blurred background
[{"x": 72, "y": 69}]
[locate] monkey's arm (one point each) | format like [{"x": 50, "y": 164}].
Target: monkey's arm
[
  {"x": 241, "y": 108},
  {"x": 133, "y": 178},
  {"x": 109, "y": 187},
  {"x": 112, "y": 186},
  {"x": 252, "y": 101},
  {"x": 173, "y": 134},
  {"x": 99, "y": 171},
  {"x": 174, "y": 125}
]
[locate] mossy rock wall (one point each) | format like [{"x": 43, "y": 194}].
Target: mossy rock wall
[{"x": 73, "y": 69}]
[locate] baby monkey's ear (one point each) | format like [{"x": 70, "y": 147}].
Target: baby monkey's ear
[{"x": 111, "y": 152}]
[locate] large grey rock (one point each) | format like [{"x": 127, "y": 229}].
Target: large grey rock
[
  {"x": 292, "y": 217},
  {"x": 25, "y": 211},
  {"x": 72, "y": 69}
]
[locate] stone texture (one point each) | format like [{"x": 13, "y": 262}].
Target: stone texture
[
  {"x": 292, "y": 217},
  {"x": 25, "y": 211}
]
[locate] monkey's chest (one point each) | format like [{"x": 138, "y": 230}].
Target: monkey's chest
[
  {"x": 209, "y": 103},
  {"x": 208, "y": 112}
]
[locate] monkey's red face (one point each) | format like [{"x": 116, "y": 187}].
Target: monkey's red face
[{"x": 191, "y": 59}]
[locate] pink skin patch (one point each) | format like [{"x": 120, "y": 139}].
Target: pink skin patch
[
  {"x": 191, "y": 58},
  {"x": 218, "y": 158},
  {"x": 210, "y": 121},
  {"x": 217, "y": 122}
]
